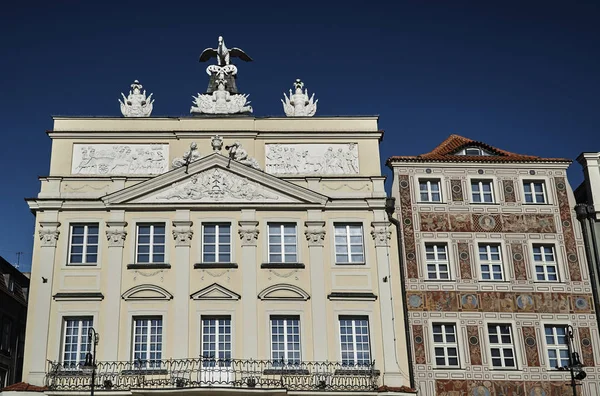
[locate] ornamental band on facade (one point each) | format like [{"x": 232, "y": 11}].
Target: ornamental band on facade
[{"x": 217, "y": 256}]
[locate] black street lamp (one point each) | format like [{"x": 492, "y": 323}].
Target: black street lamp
[
  {"x": 575, "y": 365},
  {"x": 90, "y": 357}
]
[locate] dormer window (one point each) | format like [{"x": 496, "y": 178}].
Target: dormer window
[{"x": 473, "y": 151}]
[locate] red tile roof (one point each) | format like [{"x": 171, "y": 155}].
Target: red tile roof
[
  {"x": 445, "y": 152},
  {"x": 23, "y": 387}
]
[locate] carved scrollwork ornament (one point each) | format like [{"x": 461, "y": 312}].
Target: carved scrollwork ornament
[
  {"x": 182, "y": 233},
  {"x": 49, "y": 234},
  {"x": 116, "y": 233},
  {"x": 248, "y": 232},
  {"x": 315, "y": 233},
  {"x": 381, "y": 233}
]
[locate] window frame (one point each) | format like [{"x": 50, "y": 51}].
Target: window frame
[
  {"x": 286, "y": 350},
  {"x": 501, "y": 346},
  {"x": 355, "y": 361},
  {"x": 489, "y": 262},
  {"x": 348, "y": 244},
  {"x": 82, "y": 339},
  {"x": 531, "y": 183},
  {"x": 217, "y": 244},
  {"x": 545, "y": 264},
  {"x": 84, "y": 245},
  {"x": 151, "y": 244},
  {"x": 551, "y": 347},
  {"x": 282, "y": 244},
  {"x": 6, "y": 336},
  {"x": 149, "y": 364},
  {"x": 225, "y": 361},
  {"x": 445, "y": 345},
  {"x": 480, "y": 181},
  {"x": 436, "y": 261},
  {"x": 428, "y": 182}
]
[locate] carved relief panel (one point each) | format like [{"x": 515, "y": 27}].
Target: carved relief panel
[
  {"x": 120, "y": 159},
  {"x": 312, "y": 159}
]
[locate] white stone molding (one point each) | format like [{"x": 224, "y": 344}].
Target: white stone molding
[
  {"x": 116, "y": 233},
  {"x": 284, "y": 291},
  {"x": 299, "y": 104},
  {"x": 315, "y": 233},
  {"x": 147, "y": 292},
  {"x": 216, "y": 142},
  {"x": 221, "y": 101},
  {"x": 120, "y": 159},
  {"x": 216, "y": 185},
  {"x": 49, "y": 233},
  {"x": 381, "y": 233},
  {"x": 239, "y": 154},
  {"x": 248, "y": 231},
  {"x": 215, "y": 292},
  {"x": 188, "y": 157},
  {"x": 182, "y": 233},
  {"x": 136, "y": 104},
  {"x": 312, "y": 159}
]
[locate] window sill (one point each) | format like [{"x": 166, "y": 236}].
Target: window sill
[
  {"x": 439, "y": 280},
  {"x": 493, "y": 281},
  {"x": 484, "y": 203},
  {"x": 536, "y": 203},
  {"x": 431, "y": 203},
  {"x": 149, "y": 266},
  {"x": 282, "y": 266},
  {"x": 351, "y": 264},
  {"x": 215, "y": 265},
  {"x": 82, "y": 265}
]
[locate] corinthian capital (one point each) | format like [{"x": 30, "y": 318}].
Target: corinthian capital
[
  {"x": 315, "y": 233},
  {"x": 248, "y": 232},
  {"x": 49, "y": 233},
  {"x": 381, "y": 233},
  {"x": 182, "y": 233},
  {"x": 116, "y": 233}
]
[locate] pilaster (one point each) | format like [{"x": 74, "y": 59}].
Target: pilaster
[
  {"x": 182, "y": 234},
  {"x": 248, "y": 232},
  {"x": 315, "y": 235}
]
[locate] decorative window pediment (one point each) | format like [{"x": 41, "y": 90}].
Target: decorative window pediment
[
  {"x": 147, "y": 292},
  {"x": 215, "y": 292},
  {"x": 283, "y": 291}
]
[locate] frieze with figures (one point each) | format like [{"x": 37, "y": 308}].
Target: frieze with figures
[
  {"x": 455, "y": 387},
  {"x": 453, "y": 301},
  {"x": 470, "y": 222},
  {"x": 120, "y": 159},
  {"x": 312, "y": 159}
]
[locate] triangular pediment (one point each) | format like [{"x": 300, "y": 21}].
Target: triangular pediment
[
  {"x": 283, "y": 291},
  {"x": 147, "y": 292},
  {"x": 215, "y": 179},
  {"x": 215, "y": 292}
]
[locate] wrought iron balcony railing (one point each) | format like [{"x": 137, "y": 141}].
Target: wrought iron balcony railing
[{"x": 206, "y": 372}]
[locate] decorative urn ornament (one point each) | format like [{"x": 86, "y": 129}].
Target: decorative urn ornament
[{"x": 136, "y": 104}]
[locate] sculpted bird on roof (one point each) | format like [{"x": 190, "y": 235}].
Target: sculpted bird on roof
[{"x": 223, "y": 54}]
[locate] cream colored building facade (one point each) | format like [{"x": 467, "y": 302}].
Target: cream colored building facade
[{"x": 177, "y": 254}]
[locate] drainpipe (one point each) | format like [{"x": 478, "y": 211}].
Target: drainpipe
[
  {"x": 390, "y": 204},
  {"x": 586, "y": 212}
]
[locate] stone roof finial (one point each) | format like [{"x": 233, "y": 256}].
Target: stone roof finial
[
  {"x": 299, "y": 104},
  {"x": 136, "y": 104}
]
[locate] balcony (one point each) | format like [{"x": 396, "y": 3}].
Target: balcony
[{"x": 215, "y": 373}]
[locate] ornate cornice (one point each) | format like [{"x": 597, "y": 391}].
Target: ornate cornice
[
  {"x": 248, "y": 232},
  {"x": 182, "y": 233},
  {"x": 49, "y": 233},
  {"x": 116, "y": 233},
  {"x": 315, "y": 233},
  {"x": 381, "y": 233}
]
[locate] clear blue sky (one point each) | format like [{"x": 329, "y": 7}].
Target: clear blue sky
[{"x": 520, "y": 75}]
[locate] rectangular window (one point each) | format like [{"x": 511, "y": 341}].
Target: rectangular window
[
  {"x": 5, "y": 339},
  {"x": 216, "y": 341},
  {"x": 354, "y": 341},
  {"x": 282, "y": 243},
  {"x": 151, "y": 243},
  {"x": 285, "y": 340},
  {"x": 76, "y": 342},
  {"x": 438, "y": 266},
  {"x": 430, "y": 190},
  {"x": 556, "y": 343},
  {"x": 535, "y": 191},
  {"x": 490, "y": 261},
  {"x": 544, "y": 260},
  {"x": 349, "y": 247},
  {"x": 147, "y": 342},
  {"x": 482, "y": 191},
  {"x": 501, "y": 346},
  {"x": 83, "y": 247},
  {"x": 216, "y": 243},
  {"x": 445, "y": 345}
]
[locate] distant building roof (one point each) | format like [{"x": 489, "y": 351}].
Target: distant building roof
[
  {"x": 450, "y": 151},
  {"x": 23, "y": 387}
]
